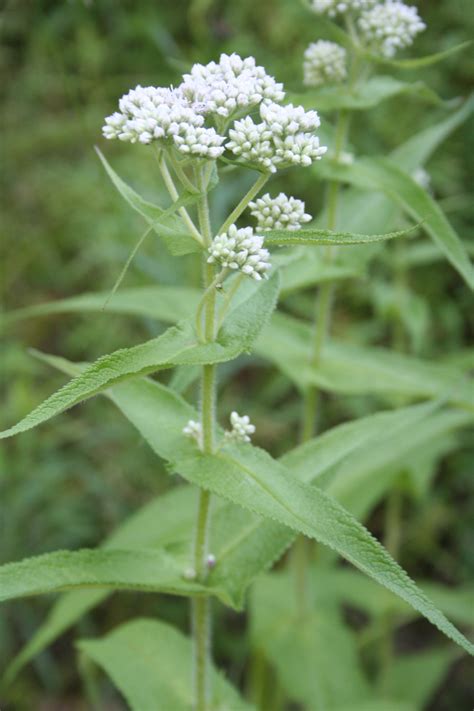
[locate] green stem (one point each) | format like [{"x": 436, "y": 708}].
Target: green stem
[
  {"x": 171, "y": 187},
  {"x": 229, "y": 296},
  {"x": 235, "y": 214},
  {"x": 201, "y": 612}
]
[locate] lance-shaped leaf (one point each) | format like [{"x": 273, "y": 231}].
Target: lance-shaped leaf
[
  {"x": 150, "y": 662},
  {"x": 417, "y": 62},
  {"x": 145, "y": 570},
  {"x": 318, "y": 237},
  {"x": 365, "y": 96},
  {"x": 165, "y": 222},
  {"x": 177, "y": 346},
  {"x": 385, "y": 176}
]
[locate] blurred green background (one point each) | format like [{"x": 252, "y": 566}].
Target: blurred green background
[{"x": 65, "y": 231}]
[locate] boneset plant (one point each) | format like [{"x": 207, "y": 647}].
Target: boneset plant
[{"x": 241, "y": 508}]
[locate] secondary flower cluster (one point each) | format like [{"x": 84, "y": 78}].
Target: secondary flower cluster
[
  {"x": 324, "y": 63},
  {"x": 285, "y": 136},
  {"x": 338, "y": 7},
  {"x": 182, "y": 118},
  {"x": 282, "y": 212},
  {"x": 385, "y": 27},
  {"x": 389, "y": 27},
  {"x": 241, "y": 429},
  {"x": 241, "y": 250}
]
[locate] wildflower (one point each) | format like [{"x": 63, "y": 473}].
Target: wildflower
[
  {"x": 150, "y": 114},
  {"x": 324, "y": 62},
  {"x": 230, "y": 85},
  {"x": 391, "y": 26},
  {"x": 242, "y": 250},
  {"x": 193, "y": 430},
  {"x": 284, "y": 137},
  {"x": 242, "y": 428},
  {"x": 281, "y": 212},
  {"x": 337, "y": 7}
]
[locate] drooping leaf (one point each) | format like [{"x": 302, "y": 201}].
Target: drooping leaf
[
  {"x": 145, "y": 570},
  {"x": 165, "y": 222},
  {"x": 364, "y": 96},
  {"x": 418, "y": 62},
  {"x": 308, "y": 651},
  {"x": 385, "y": 176},
  {"x": 150, "y": 662},
  {"x": 177, "y": 346}
]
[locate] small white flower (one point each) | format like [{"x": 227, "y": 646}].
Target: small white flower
[
  {"x": 241, "y": 430},
  {"x": 211, "y": 561},
  {"x": 281, "y": 212},
  {"x": 151, "y": 113},
  {"x": 193, "y": 430},
  {"x": 324, "y": 63},
  {"x": 284, "y": 137},
  {"x": 338, "y": 7},
  {"x": 242, "y": 250},
  {"x": 230, "y": 85},
  {"x": 390, "y": 27}
]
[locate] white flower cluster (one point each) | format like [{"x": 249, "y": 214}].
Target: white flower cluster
[
  {"x": 282, "y": 212},
  {"x": 156, "y": 113},
  {"x": 242, "y": 250},
  {"x": 338, "y": 7},
  {"x": 229, "y": 85},
  {"x": 241, "y": 430},
  {"x": 284, "y": 137},
  {"x": 391, "y": 26},
  {"x": 324, "y": 63},
  {"x": 193, "y": 430}
]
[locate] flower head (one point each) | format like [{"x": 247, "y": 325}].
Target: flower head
[
  {"x": 391, "y": 26},
  {"x": 241, "y": 430},
  {"x": 281, "y": 212},
  {"x": 284, "y": 137},
  {"x": 159, "y": 114},
  {"x": 324, "y": 63},
  {"x": 230, "y": 85},
  {"x": 242, "y": 250},
  {"x": 338, "y": 7}
]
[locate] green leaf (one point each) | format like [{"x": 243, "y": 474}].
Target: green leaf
[
  {"x": 349, "y": 369},
  {"x": 415, "y": 677},
  {"x": 365, "y": 95},
  {"x": 177, "y": 346},
  {"x": 317, "y": 237},
  {"x": 145, "y": 570},
  {"x": 250, "y": 478},
  {"x": 418, "y": 62},
  {"x": 151, "y": 664},
  {"x": 308, "y": 652},
  {"x": 165, "y": 303},
  {"x": 166, "y": 224},
  {"x": 380, "y": 174}
]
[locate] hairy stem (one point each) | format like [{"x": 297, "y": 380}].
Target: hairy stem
[
  {"x": 201, "y": 613},
  {"x": 253, "y": 191},
  {"x": 171, "y": 187}
]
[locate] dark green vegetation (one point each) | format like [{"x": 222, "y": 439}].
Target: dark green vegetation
[{"x": 71, "y": 483}]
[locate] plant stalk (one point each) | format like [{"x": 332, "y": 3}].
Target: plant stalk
[
  {"x": 201, "y": 612},
  {"x": 171, "y": 187},
  {"x": 252, "y": 192}
]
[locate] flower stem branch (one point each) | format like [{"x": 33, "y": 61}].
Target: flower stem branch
[
  {"x": 235, "y": 214},
  {"x": 171, "y": 187}
]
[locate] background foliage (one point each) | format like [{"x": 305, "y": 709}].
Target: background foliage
[{"x": 66, "y": 231}]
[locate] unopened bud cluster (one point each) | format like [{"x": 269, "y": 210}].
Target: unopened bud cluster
[
  {"x": 242, "y": 250},
  {"x": 284, "y": 137},
  {"x": 241, "y": 430},
  {"x": 391, "y": 26},
  {"x": 324, "y": 63},
  {"x": 281, "y": 212},
  {"x": 193, "y": 430},
  {"x": 193, "y": 117}
]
